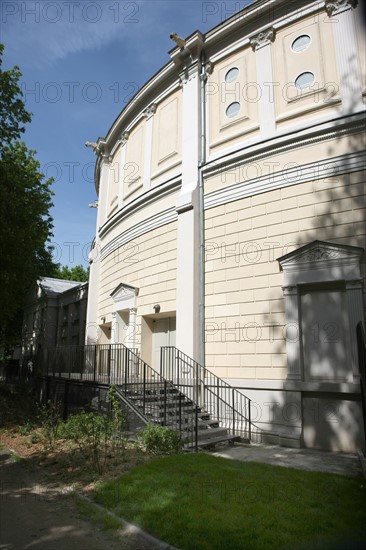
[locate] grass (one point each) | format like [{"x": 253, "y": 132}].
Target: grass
[
  {"x": 203, "y": 502},
  {"x": 100, "y": 518}
]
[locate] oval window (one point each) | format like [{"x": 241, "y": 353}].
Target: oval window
[
  {"x": 301, "y": 43},
  {"x": 233, "y": 109},
  {"x": 304, "y": 80},
  {"x": 231, "y": 75}
]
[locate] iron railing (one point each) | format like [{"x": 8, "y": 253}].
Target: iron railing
[
  {"x": 361, "y": 347},
  {"x": 156, "y": 398},
  {"x": 225, "y": 404}
]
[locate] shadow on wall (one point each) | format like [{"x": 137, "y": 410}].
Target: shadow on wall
[{"x": 331, "y": 421}]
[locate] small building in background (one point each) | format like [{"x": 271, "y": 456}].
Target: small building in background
[{"x": 54, "y": 314}]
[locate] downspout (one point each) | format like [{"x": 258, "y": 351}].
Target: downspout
[{"x": 201, "y": 215}]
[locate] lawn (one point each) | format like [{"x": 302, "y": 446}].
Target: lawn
[{"x": 202, "y": 502}]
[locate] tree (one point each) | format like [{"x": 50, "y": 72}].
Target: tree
[
  {"x": 25, "y": 200},
  {"x": 12, "y": 110},
  {"x": 77, "y": 273}
]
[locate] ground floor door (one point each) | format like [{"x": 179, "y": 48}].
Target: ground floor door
[{"x": 163, "y": 335}]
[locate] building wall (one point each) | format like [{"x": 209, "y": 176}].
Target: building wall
[{"x": 282, "y": 166}]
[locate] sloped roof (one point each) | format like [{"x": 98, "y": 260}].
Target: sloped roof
[{"x": 53, "y": 286}]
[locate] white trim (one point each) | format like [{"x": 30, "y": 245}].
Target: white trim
[
  {"x": 158, "y": 220},
  {"x": 140, "y": 202},
  {"x": 325, "y": 127},
  {"x": 345, "y": 43},
  {"x": 322, "y": 262},
  {"x": 294, "y": 176},
  {"x": 276, "y": 24}
]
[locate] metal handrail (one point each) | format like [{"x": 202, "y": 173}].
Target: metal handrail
[
  {"x": 211, "y": 391},
  {"x": 140, "y": 383}
]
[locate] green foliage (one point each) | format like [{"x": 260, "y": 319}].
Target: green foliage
[
  {"x": 116, "y": 421},
  {"x": 12, "y": 110},
  {"x": 200, "y": 502},
  {"x": 25, "y": 200},
  {"x": 160, "y": 439},
  {"x": 90, "y": 432},
  {"x": 77, "y": 273},
  {"x": 97, "y": 437},
  {"x": 50, "y": 420}
]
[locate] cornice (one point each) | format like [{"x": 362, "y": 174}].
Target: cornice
[
  {"x": 287, "y": 141},
  {"x": 334, "y": 7},
  {"x": 158, "y": 220},
  {"x": 140, "y": 202},
  {"x": 263, "y": 38}
]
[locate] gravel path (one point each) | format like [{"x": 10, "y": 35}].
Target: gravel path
[{"x": 37, "y": 516}]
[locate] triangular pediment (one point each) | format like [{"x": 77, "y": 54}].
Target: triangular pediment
[
  {"x": 124, "y": 292},
  {"x": 320, "y": 254}
]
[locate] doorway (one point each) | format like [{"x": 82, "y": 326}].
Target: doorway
[{"x": 163, "y": 335}]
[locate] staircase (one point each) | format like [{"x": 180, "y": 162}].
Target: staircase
[
  {"x": 165, "y": 405},
  {"x": 184, "y": 396}
]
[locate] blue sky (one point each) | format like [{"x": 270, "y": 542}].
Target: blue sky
[{"x": 81, "y": 62}]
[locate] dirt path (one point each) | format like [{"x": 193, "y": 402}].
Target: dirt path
[{"x": 37, "y": 516}]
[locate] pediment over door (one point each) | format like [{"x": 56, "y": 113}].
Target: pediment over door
[
  {"x": 321, "y": 261},
  {"x": 124, "y": 296}
]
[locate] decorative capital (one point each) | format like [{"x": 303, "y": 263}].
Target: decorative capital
[
  {"x": 208, "y": 69},
  {"x": 263, "y": 38},
  {"x": 290, "y": 290},
  {"x": 333, "y": 7},
  {"x": 150, "y": 111},
  {"x": 354, "y": 284},
  {"x": 133, "y": 310},
  {"x": 190, "y": 73},
  {"x": 124, "y": 138}
]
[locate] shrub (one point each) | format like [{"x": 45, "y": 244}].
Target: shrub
[
  {"x": 90, "y": 432},
  {"x": 160, "y": 439},
  {"x": 50, "y": 419}
]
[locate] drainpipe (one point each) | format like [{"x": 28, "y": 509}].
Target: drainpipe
[{"x": 201, "y": 218}]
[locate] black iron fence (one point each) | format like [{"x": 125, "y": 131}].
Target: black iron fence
[
  {"x": 150, "y": 396},
  {"x": 361, "y": 347},
  {"x": 224, "y": 403}
]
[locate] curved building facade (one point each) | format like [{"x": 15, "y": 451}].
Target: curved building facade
[{"x": 231, "y": 217}]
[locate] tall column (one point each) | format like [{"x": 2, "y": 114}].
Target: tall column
[
  {"x": 92, "y": 325},
  {"x": 187, "y": 300},
  {"x": 292, "y": 333},
  {"x": 121, "y": 190},
  {"x": 355, "y": 314},
  {"x": 341, "y": 15},
  {"x": 261, "y": 45},
  {"x": 148, "y": 114}
]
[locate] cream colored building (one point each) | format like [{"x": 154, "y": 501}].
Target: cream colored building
[{"x": 231, "y": 218}]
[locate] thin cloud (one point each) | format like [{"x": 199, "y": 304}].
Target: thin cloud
[{"x": 42, "y": 37}]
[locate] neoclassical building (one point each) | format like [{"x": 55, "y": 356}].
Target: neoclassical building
[{"x": 231, "y": 217}]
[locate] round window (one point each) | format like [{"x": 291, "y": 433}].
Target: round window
[
  {"x": 231, "y": 75},
  {"x": 304, "y": 80},
  {"x": 301, "y": 43},
  {"x": 233, "y": 109}
]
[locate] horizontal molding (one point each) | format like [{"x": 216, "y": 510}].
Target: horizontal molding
[
  {"x": 160, "y": 219},
  {"x": 139, "y": 202},
  {"x": 286, "y": 178},
  {"x": 295, "y": 137}
]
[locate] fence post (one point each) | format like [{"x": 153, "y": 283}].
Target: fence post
[
  {"x": 218, "y": 399},
  {"x": 233, "y": 408},
  {"x": 196, "y": 429},
  {"x": 249, "y": 420},
  {"x": 66, "y": 398},
  {"x": 144, "y": 389},
  {"x": 95, "y": 361},
  {"x": 109, "y": 363},
  {"x": 165, "y": 388}
]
